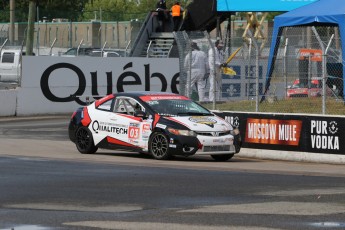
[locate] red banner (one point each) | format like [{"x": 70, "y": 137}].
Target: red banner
[{"x": 275, "y": 132}]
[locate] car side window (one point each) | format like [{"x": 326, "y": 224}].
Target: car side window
[
  {"x": 105, "y": 106},
  {"x": 120, "y": 106},
  {"x": 127, "y": 106},
  {"x": 7, "y": 57}
]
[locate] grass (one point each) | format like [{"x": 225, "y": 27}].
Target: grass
[{"x": 293, "y": 105}]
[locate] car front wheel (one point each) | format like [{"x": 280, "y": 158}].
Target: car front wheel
[
  {"x": 84, "y": 141},
  {"x": 223, "y": 157},
  {"x": 159, "y": 146}
]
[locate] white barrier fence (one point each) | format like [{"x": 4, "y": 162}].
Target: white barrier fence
[
  {"x": 57, "y": 85},
  {"x": 8, "y": 102}
]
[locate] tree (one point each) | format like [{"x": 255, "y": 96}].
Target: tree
[
  {"x": 112, "y": 10},
  {"x": 47, "y": 8},
  {"x": 120, "y": 10},
  {"x": 31, "y": 27}
]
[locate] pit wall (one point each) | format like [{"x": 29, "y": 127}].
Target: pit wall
[
  {"x": 8, "y": 102},
  {"x": 290, "y": 133}
]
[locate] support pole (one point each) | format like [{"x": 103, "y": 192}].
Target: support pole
[{"x": 12, "y": 20}]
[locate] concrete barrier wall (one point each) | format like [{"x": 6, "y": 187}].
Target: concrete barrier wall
[
  {"x": 8, "y": 102},
  {"x": 56, "y": 85}
]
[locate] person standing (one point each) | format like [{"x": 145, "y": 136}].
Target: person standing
[
  {"x": 176, "y": 11},
  {"x": 197, "y": 67},
  {"x": 162, "y": 16},
  {"x": 216, "y": 61}
]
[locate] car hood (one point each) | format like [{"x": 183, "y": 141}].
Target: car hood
[{"x": 202, "y": 123}]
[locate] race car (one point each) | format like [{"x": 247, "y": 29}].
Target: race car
[
  {"x": 157, "y": 123},
  {"x": 301, "y": 90}
]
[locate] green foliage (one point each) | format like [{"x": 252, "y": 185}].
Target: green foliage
[
  {"x": 120, "y": 10},
  {"x": 46, "y": 8},
  {"x": 293, "y": 105}
]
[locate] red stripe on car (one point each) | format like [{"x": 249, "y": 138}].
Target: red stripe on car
[
  {"x": 119, "y": 142},
  {"x": 104, "y": 99},
  {"x": 131, "y": 117},
  {"x": 155, "y": 120},
  {"x": 86, "y": 118}
]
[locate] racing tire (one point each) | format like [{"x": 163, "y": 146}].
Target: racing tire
[
  {"x": 159, "y": 146},
  {"x": 84, "y": 141},
  {"x": 223, "y": 157}
]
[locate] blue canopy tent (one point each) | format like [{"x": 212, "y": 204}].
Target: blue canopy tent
[{"x": 320, "y": 13}]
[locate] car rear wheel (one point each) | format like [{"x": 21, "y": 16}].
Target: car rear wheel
[
  {"x": 223, "y": 157},
  {"x": 84, "y": 141},
  {"x": 159, "y": 146}
]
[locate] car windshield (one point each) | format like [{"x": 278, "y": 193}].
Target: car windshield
[
  {"x": 178, "y": 108},
  {"x": 312, "y": 84}
]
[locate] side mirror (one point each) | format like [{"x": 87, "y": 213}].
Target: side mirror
[{"x": 140, "y": 113}]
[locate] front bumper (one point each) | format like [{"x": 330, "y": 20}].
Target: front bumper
[
  {"x": 216, "y": 145},
  {"x": 202, "y": 145}
]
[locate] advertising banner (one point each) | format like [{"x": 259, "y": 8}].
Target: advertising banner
[
  {"x": 260, "y": 5},
  {"x": 61, "y": 84},
  {"x": 315, "y": 134}
]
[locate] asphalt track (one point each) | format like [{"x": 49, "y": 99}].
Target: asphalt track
[
  {"x": 46, "y": 184},
  {"x": 245, "y": 152}
]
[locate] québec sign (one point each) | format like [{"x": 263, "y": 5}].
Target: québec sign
[
  {"x": 61, "y": 84},
  {"x": 126, "y": 78},
  {"x": 65, "y": 79}
]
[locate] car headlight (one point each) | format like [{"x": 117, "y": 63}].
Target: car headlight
[
  {"x": 181, "y": 132},
  {"x": 235, "y": 132}
]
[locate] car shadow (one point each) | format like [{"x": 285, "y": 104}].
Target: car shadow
[{"x": 136, "y": 155}]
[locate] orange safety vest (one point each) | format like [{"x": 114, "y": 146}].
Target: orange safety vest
[{"x": 176, "y": 10}]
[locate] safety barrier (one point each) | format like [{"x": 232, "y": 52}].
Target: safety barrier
[
  {"x": 290, "y": 136},
  {"x": 8, "y": 102}
]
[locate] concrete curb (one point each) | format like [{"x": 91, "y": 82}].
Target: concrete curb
[
  {"x": 292, "y": 156},
  {"x": 39, "y": 117}
]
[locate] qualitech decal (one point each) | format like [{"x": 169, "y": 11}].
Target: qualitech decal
[{"x": 324, "y": 135}]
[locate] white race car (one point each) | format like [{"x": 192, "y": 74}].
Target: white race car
[{"x": 159, "y": 123}]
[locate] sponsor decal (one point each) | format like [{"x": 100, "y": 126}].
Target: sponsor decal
[
  {"x": 234, "y": 121},
  {"x": 133, "y": 141},
  {"x": 274, "y": 132},
  {"x": 133, "y": 130},
  {"x": 324, "y": 135},
  {"x": 119, "y": 142},
  {"x": 148, "y": 98},
  {"x": 161, "y": 126},
  {"x": 203, "y": 120},
  {"x": 146, "y": 130},
  {"x": 313, "y": 54},
  {"x": 146, "y": 127},
  {"x": 172, "y": 146},
  {"x": 106, "y": 127}
]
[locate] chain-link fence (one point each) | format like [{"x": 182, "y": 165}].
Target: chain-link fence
[
  {"x": 242, "y": 85},
  {"x": 63, "y": 34},
  {"x": 306, "y": 77},
  {"x": 307, "y": 72}
]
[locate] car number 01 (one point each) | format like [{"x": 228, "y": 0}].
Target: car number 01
[{"x": 133, "y": 132}]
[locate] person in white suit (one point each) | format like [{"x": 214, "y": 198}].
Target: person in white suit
[
  {"x": 198, "y": 66},
  {"x": 216, "y": 61}
]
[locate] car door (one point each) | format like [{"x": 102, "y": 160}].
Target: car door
[{"x": 127, "y": 130}]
